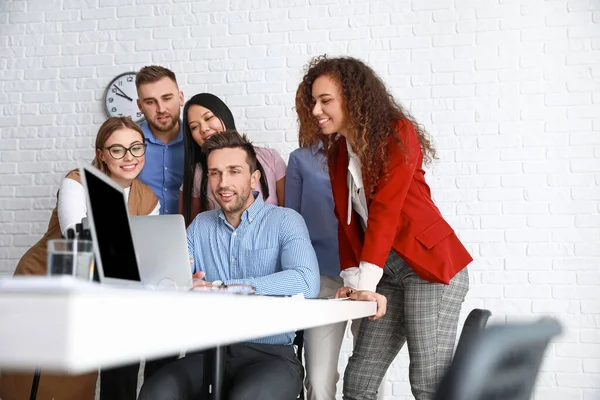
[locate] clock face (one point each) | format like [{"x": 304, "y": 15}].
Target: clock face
[{"x": 120, "y": 98}]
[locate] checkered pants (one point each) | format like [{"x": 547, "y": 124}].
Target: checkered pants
[{"x": 421, "y": 313}]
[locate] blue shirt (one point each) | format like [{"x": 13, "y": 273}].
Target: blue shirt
[
  {"x": 269, "y": 250},
  {"x": 308, "y": 191},
  {"x": 163, "y": 170}
]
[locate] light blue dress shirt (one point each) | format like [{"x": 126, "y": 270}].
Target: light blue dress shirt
[
  {"x": 269, "y": 250},
  {"x": 308, "y": 191},
  {"x": 163, "y": 170}
]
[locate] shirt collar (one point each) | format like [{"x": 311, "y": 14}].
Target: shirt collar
[
  {"x": 249, "y": 215},
  {"x": 315, "y": 148},
  {"x": 351, "y": 153},
  {"x": 354, "y": 167},
  {"x": 150, "y": 137}
]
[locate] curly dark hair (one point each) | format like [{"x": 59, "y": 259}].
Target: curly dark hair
[{"x": 369, "y": 109}]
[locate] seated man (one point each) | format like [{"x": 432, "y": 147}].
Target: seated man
[{"x": 245, "y": 242}]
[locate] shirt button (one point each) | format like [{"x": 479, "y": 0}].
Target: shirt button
[
  {"x": 166, "y": 168},
  {"x": 234, "y": 233},
  {"x": 165, "y": 189},
  {"x": 233, "y": 259},
  {"x": 166, "y": 211},
  {"x": 250, "y": 219}
]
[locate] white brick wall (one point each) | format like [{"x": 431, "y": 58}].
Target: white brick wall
[{"x": 509, "y": 89}]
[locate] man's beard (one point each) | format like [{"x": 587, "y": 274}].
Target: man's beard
[
  {"x": 169, "y": 125},
  {"x": 239, "y": 204}
]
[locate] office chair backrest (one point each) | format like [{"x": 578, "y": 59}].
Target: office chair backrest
[
  {"x": 476, "y": 321},
  {"x": 499, "y": 363},
  {"x": 299, "y": 343}
]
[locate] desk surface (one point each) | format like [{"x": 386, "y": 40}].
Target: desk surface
[{"x": 74, "y": 327}]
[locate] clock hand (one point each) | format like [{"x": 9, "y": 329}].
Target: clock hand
[
  {"x": 118, "y": 88},
  {"x": 123, "y": 93},
  {"x": 124, "y": 96}
]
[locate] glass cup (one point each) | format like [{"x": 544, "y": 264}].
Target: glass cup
[{"x": 71, "y": 257}]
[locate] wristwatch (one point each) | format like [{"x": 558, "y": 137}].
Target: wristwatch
[
  {"x": 239, "y": 288},
  {"x": 218, "y": 284}
]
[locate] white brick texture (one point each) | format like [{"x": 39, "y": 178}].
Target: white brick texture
[{"x": 508, "y": 89}]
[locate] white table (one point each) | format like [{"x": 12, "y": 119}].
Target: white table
[{"x": 75, "y": 327}]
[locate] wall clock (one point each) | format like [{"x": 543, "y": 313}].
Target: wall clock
[{"x": 120, "y": 98}]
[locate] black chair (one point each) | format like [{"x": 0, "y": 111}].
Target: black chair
[
  {"x": 475, "y": 322},
  {"x": 299, "y": 343},
  {"x": 499, "y": 363},
  {"x": 34, "y": 384}
]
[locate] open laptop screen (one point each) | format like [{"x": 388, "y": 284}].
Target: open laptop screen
[{"x": 113, "y": 234}]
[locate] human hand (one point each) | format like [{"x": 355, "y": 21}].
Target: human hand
[
  {"x": 365, "y": 295},
  {"x": 198, "y": 280},
  {"x": 344, "y": 292}
]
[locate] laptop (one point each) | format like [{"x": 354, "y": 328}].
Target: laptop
[
  {"x": 133, "y": 251},
  {"x": 160, "y": 243}
]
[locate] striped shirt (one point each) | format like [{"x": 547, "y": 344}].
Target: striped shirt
[{"x": 270, "y": 250}]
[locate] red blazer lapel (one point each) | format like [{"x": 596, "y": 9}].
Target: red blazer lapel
[
  {"x": 339, "y": 184},
  {"x": 339, "y": 174}
]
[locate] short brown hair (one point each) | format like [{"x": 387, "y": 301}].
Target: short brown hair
[
  {"x": 153, "y": 73},
  {"x": 106, "y": 130},
  {"x": 232, "y": 140}
]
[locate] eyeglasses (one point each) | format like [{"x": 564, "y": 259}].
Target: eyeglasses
[{"x": 118, "y": 152}]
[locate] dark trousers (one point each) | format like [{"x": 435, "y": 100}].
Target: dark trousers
[
  {"x": 252, "y": 371},
  {"x": 121, "y": 383}
]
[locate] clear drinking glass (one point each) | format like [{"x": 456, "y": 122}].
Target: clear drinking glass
[{"x": 72, "y": 257}]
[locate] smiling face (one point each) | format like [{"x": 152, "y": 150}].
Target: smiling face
[
  {"x": 124, "y": 170},
  {"x": 161, "y": 103},
  {"x": 203, "y": 123},
  {"x": 231, "y": 180},
  {"x": 328, "y": 107}
]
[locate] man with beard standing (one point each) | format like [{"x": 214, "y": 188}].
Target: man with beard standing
[{"x": 160, "y": 100}]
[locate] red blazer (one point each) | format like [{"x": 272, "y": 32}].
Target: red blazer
[{"x": 402, "y": 215}]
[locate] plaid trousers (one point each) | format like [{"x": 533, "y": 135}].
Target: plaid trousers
[{"x": 423, "y": 314}]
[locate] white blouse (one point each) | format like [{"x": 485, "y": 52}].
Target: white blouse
[
  {"x": 367, "y": 275},
  {"x": 72, "y": 207},
  {"x": 356, "y": 189}
]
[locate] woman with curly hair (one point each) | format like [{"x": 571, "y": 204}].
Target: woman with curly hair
[{"x": 393, "y": 240}]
